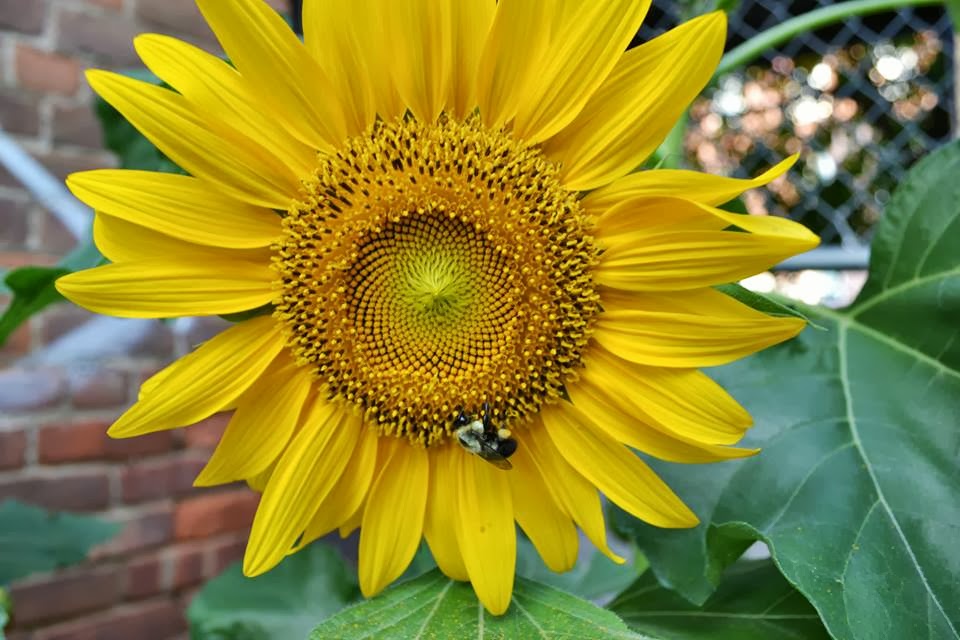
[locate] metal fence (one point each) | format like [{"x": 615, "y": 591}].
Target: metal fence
[{"x": 862, "y": 101}]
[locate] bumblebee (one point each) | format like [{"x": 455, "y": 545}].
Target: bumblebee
[{"x": 483, "y": 439}]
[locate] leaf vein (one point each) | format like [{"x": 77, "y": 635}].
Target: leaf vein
[{"x": 855, "y": 432}]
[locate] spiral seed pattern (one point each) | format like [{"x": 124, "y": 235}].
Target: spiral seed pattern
[{"x": 432, "y": 267}]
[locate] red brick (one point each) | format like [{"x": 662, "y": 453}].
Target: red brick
[
  {"x": 24, "y": 16},
  {"x": 180, "y": 16},
  {"x": 31, "y": 389},
  {"x": 160, "y": 620},
  {"x": 77, "y": 125},
  {"x": 17, "y": 344},
  {"x": 68, "y": 491},
  {"x": 108, "y": 36},
  {"x": 98, "y": 388},
  {"x": 88, "y": 440},
  {"x": 61, "y": 164},
  {"x": 54, "y": 236},
  {"x": 187, "y": 566},
  {"x": 13, "y": 259},
  {"x": 13, "y": 445},
  {"x": 142, "y": 529},
  {"x": 144, "y": 578},
  {"x": 18, "y": 111},
  {"x": 157, "y": 343},
  {"x": 60, "y": 595},
  {"x": 226, "y": 552},
  {"x": 60, "y": 320},
  {"x": 72, "y": 442},
  {"x": 211, "y": 514},
  {"x": 160, "y": 479},
  {"x": 47, "y": 72},
  {"x": 206, "y": 434},
  {"x": 13, "y": 223}
]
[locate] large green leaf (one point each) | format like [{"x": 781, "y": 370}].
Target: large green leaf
[
  {"x": 32, "y": 539},
  {"x": 285, "y": 603},
  {"x": 753, "y": 602},
  {"x": 595, "y": 577},
  {"x": 433, "y": 606},
  {"x": 856, "y": 489}
]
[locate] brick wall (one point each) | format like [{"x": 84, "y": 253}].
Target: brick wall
[{"x": 53, "y": 451}]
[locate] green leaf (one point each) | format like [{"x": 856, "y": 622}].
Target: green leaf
[
  {"x": 856, "y": 489},
  {"x": 286, "y": 602},
  {"x": 33, "y": 540},
  {"x": 760, "y": 302},
  {"x": 433, "y": 606},
  {"x": 753, "y": 602},
  {"x": 32, "y": 288},
  {"x": 595, "y": 577}
]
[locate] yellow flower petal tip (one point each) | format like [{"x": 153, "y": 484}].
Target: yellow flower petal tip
[{"x": 446, "y": 337}]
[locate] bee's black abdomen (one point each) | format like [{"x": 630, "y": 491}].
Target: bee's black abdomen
[{"x": 507, "y": 447}]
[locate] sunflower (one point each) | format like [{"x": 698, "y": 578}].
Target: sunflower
[{"x": 428, "y": 215}]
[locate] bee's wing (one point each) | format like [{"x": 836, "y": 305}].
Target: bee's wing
[
  {"x": 500, "y": 463},
  {"x": 493, "y": 456}
]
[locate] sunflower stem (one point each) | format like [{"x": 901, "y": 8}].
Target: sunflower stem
[{"x": 766, "y": 40}]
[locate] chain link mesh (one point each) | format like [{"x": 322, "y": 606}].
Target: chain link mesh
[{"x": 861, "y": 101}]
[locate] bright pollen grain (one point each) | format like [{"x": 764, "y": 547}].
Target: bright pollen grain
[{"x": 432, "y": 267}]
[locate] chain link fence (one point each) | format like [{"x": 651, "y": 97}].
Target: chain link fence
[{"x": 862, "y": 101}]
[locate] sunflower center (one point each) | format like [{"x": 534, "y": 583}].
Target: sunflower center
[{"x": 429, "y": 268}]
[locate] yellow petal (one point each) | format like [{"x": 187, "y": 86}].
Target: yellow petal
[
  {"x": 517, "y": 41},
  {"x": 240, "y": 167},
  {"x": 690, "y": 185},
  {"x": 485, "y": 527},
  {"x": 340, "y": 42},
  {"x": 550, "y": 529},
  {"x": 472, "y": 20},
  {"x": 699, "y": 328},
  {"x": 661, "y": 259},
  {"x": 220, "y": 95},
  {"x": 442, "y": 503},
  {"x": 615, "y": 470},
  {"x": 261, "y": 426},
  {"x": 571, "y": 491},
  {"x": 636, "y": 106},
  {"x": 346, "y": 498},
  {"x": 590, "y": 39},
  {"x": 179, "y": 206},
  {"x": 393, "y": 518},
  {"x": 303, "y": 477},
  {"x": 353, "y": 522},
  {"x": 420, "y": 34},
  {"x": 273, "y": 60},
  {"x": 122, "y": 241},
  {"x": 162, "y": 288},
  {"x": 259, "y": 482},
  {"x": 681, "y": 401},
  {"x": 205, "y": 381},
  {"x": 619, "y": 421}
]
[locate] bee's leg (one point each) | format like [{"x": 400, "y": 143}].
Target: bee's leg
[
  {"x": 486, "y": 416},
  {"x": 462, "y": 419}
]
